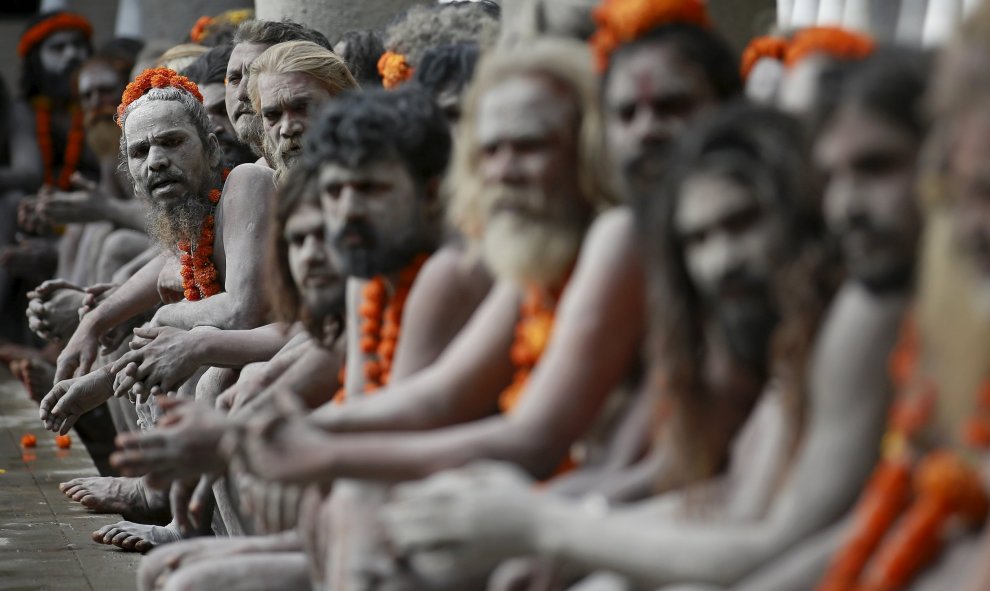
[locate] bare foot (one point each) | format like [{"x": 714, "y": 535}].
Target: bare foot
[
  {"x": 126, "y": 496},
  {"x": 137, "y": 537}
]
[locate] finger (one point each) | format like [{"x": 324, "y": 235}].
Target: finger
[
  {"x": 126, "y": 365},
  {"x": 52, "y": 398},
  {"x": 124, "y": 385},
  {"x": 67, "y": 423},
  {"x": 37, "y": 307},
  {"x": 137, "y": 342},
  {"x": 64, "y": 369},
  {"x": 148, "y": 332}
]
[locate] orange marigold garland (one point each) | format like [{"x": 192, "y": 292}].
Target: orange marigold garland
[
  {"x": 394, "y": 69},
  {"x": 199, "y": 28},
  {"x": 381, "y": 324},
  {"x": 833, "y": 41},
  {"x": 73, "y": 145},
  {"x": 155, "y": 78},
  {"x": 946, "y": 487},
  {"x": 536, "y": 320},
  {"x": 622, "y": 21},
  {"x": 59, "y": 22},
  {"x": 199, "y": 274},
  {"x": 767, "y": 46}
]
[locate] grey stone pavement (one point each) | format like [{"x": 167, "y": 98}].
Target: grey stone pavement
[{"x": 44, "y": 536}]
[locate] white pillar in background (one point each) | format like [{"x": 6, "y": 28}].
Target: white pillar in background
[
  {"x": 911, "y": 21},
  {"x": 941, "y": 20},
  {"x": 830, "y": 12},
  {"x": 50, "y": 5},
  {"x": 856, "y": 16},
  {"x": 805, "y": 13},
  {"x": 785, "y": 10},
  {"x": 128, "y": 19}
]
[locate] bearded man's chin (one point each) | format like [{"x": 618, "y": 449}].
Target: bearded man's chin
[{"x": 525, "y": 252}]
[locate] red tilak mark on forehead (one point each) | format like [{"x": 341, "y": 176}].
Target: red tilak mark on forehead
[{"x": 644, "y": 87}]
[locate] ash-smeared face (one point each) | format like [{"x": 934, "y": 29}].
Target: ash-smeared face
[{"x": 170, "y": 168}]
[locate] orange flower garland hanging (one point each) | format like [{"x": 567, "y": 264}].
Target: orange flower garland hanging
[
  {"x": 762, "y": 47},
  {"x": 622, "y": 21},
  {"x": 381, "y": 325},
  {"x": 833, "y": 41},
  {"x": 394, "y": 69},
  {"x": 199, "y": 274},
  {"x": 59, "y": 22},
  {"x": 945, "y": 487},
  {"x": 536, "y": 320},
  {"x": 73, "y": 145}
]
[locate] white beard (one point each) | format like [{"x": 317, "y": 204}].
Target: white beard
[{"x": 524, "y": 250}]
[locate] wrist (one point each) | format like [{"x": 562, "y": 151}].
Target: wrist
[{"x": 201, "y": 346}]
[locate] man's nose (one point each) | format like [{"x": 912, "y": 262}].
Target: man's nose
[
  {"x": 313, "y": 250},
  {"x": 352, "y": 205},
  {"x": 157, "y": 158},
  {"x": 291, "y": 126},
  {"x": 504, "y": 167}
]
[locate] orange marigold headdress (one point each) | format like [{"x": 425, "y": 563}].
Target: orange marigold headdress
[
  {"x": 59, "y": 22},
  {"x": 199, "y": 29},
  {"x": 207, "y": 25},
  {"x": 394, "y": 69},
  {"x": 622, "y": 21},
  {"x": 834, "y": 41},
  {"x": 155, "y": 78},
  {"x": 767, "y": 46}
]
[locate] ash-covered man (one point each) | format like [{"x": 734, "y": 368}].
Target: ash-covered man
[{"x": 207, "y": 274}]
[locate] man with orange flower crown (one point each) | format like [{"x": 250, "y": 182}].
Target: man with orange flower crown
[
  {"x": 206, "y": 276},
  {"x": 47, "y": 140}
]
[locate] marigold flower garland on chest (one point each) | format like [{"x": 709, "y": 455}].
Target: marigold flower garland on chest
[
  {"x": 536, "y": 320},
  {"x": 381, "y": 324},
  {"x": 912, "y": 497},
  {"x": 73, "y": 144},
  {"x": 199, "y": 274}
]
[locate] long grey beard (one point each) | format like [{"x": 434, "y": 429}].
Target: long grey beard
[{"x": 176, "y": 220}]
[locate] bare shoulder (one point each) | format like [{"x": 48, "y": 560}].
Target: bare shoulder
[
  {"x": 451, "y": 263},
  {"x": 248, "y": 180},
  {"x": 611, "y": 235},
  {"x": 247, "y": 192}
]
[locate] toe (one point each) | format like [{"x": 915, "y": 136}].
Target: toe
[
  {"x": 110, "y": 534},
  {"x": 120, "y": 540},
  {"x": 143, "y": 546},
  {"x": 99, "y": 534},
  {"x": 88, "y": 501}
]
